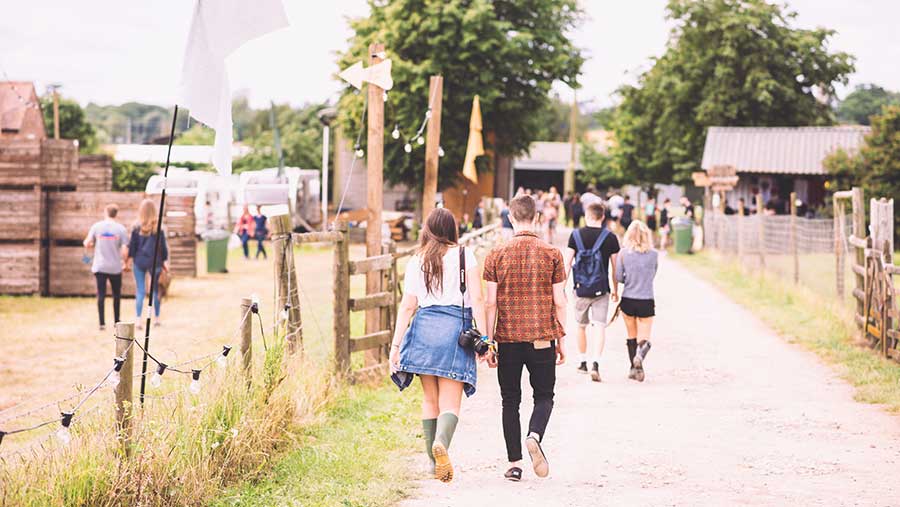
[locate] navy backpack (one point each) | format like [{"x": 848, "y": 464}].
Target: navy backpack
[{"x": 589, "y": 269}]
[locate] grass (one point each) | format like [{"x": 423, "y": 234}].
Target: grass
[
  {"x": 810, "y": 318},
  {"x": 356, "y": 455}
]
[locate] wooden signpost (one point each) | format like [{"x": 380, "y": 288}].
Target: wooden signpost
[
  {"x": 374, "y": 194},
  {"x": 432, "y": 144}
]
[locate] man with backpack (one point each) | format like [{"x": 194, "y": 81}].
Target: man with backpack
[{"x": 590, "y": 252}]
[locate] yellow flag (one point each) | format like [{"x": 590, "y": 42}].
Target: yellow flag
[{"x": 475, "y": 148}]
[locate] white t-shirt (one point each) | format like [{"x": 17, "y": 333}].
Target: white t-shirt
[{"x": 414, "y": 281}]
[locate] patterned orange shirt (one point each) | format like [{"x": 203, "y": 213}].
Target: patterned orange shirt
[{"x": 525, "y": 270}]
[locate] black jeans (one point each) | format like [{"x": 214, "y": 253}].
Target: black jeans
[
  {"x": 115, "y": 282},
  {"x": 541, "y": 364}
]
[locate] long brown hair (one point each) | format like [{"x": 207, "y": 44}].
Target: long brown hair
[
  {"x": 439, "y": 234},
  {"x": 147, "y": 217}
]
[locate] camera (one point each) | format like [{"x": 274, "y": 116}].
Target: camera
[{"x": 471, "y": 339}]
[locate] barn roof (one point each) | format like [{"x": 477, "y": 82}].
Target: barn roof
[
  {"x": 778, "y": 150},
  {"x": 20, "y": 113}
]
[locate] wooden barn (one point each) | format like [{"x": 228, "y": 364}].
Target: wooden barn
[{"x": 50, "y": 196}]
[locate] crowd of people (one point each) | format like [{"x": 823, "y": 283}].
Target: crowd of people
[{"x": 446, "y": 324}]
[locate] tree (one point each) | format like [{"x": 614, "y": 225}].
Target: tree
[
  {"x": 507, "y": 52},
  {"x": 72, "y": 123},
  {"x": 197, "y": 134},
  {"x": 864, "y": 102},
  {"x": 555, "y": 120},
  {"x": 132, "y": 176},
  {"x": 876, "y": 168},
  {"x": 301, "y": 138},
  {"x": 728, "y": 63},
  {"x": 600, "y": 169}
]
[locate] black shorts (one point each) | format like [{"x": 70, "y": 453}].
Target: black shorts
[
  {"x": 651, "y": 223},
  {"x": 642, "y": 308}
]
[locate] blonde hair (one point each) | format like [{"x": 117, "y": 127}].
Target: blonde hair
[
  {"x": 638, "y": 237},
  {"x": 147, "y": 217}
]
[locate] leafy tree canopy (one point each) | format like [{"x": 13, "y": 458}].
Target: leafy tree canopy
[
  {"x": 507, "y": 52},
  {"x": 863, "y": 102},
  {"x": 72, "y": 123},
  {"x": 197, "y": 134},
  {"x": 728, "y": 63},
  {"x": 301, "y": 138},
  {"x": 556, "y": 118},
  {"x": 876, "y": 168}
]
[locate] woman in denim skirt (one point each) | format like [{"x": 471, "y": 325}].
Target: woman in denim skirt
[{"x": 428, "y": 346}]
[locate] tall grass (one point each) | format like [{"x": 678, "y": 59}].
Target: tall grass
[
  {"x": 807, "y": 316},
  {"x": 185, "y": 448}
]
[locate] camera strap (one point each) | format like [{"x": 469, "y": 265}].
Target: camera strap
[{"x": 462, "y": 282}]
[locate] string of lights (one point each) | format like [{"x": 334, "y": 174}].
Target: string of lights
[
  {"x": 417, "y": 139},
  {"x": 25, "y": 102},
  {"x": 112, "y": 378}
]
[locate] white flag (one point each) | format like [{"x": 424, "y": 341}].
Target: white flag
[{"x": 219, "y": 27}]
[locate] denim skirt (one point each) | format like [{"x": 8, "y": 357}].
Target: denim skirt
[{"x": 431, "y": 347}]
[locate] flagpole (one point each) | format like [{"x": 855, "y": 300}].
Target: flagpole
[{"x": 154, "y": 279}]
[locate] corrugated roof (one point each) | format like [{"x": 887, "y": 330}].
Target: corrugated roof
[{"x": 778, "y": 150}]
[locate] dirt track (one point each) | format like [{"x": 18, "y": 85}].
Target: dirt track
[{"x": 730, "y": 414}]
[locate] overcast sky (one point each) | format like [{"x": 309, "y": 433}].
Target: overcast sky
[{"x": 112, "y": 51}]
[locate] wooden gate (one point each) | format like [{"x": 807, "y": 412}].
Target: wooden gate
[{"x": 880, "y": 316}]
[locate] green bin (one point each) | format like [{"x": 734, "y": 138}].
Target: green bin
[
  {"x": 216, "y": 255},
  {"x": 683, "y": 230}
]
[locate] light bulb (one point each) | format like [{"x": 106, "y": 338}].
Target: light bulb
[
  {"x": 395, "y": 133},
  {"x": 63, "y": 433},
  {"x": 156, "y": 379},
  {"x": 421, "y": 140},
  {"x": 440, "y": 151},
  {"x": 194, "y": 388},
  {"x": 360, "y": 153},
  {"x": 428, "y": 114},
  {"x": 284, "y": 312},
  {"x": 407, "y": 148},
  {"x": 114, "y": 379},
  {"x": 254, "y": 298},
  {"x": 222, "y": 360},
  {"x": 64, "y": 436},
  {"x": 384, "y": 96}
]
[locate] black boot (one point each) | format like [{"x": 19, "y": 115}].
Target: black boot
[
  {"x": 642, "y": 351},
  {"x": 632, "y": 351}
]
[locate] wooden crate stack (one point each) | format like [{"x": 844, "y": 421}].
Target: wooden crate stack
[
  {"x": 29, "y": 170},
  {"x": 180, "y": 225},
  {"x": 49, "y": 197}
]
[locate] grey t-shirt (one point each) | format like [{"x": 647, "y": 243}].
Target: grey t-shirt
[
  {"x": 108, "y": 237},
  {"x": 636, "y": 271}
]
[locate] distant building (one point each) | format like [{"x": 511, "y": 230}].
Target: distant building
[
  {"x": 20, "y": 112},
  {"x": 775, "y": 161}
]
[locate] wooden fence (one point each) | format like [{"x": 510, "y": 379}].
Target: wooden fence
[
  {"x": 873, "y": 269},
  {"x": 375, "y": 343}
]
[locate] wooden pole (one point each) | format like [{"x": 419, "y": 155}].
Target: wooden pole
[
  {"x": 795, "y": 250},
  {"x": 55, "y": 113},
  {"x": 374, "y": 195},
  {"x": 124, "y": 391},
  {"x": 839, "y": 268},
  {"x": 246, "y": 335},
  {"x": 859, "y": 232},
  {"x": 761, "y": 216},
  {"x": 342, "y": 300},
  {"x": 740, "y": 231},
  {"x": 432, "y": 145},
  {"x": 288, "y": 297},
  {"x": 569, "y": 175}
]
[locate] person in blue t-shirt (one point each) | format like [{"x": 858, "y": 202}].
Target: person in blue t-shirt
[{"x": 261, "y": 232}]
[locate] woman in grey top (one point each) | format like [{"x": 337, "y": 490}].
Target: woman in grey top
[{"x": 635, "y": 269}]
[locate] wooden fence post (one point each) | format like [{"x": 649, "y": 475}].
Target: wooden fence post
[
  {"x": 432, "y": 146},
  {"x": 374, "y": 195},
  {"x": 839, "y": 263},
  {"x": 740, "y": 231},
  {"x": 246, "y": 335},
  {"x": 795, "y": 251},
  {"x": 288, "y": 296},
  {"x": 389, "y": 284},
  {"x": 859, "y": 232},
  {"x": 760, "y": 215},
  {"x": 124, "y": 390},
  {"x": 342, "y": 301}
]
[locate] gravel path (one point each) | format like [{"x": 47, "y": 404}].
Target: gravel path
[{"x": 730, "y": 414}]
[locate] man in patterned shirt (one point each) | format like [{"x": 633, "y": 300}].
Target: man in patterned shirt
[{"x": 526, "y": 313}]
